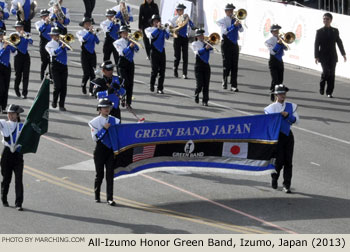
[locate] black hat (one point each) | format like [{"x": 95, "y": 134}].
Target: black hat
[
  {"x": 180, "y": 6},
  {"x": 199, "y": 32},
  {"x": 110, "y": 13},
  {"x": 275, "y": 27},
  {"x": 155, "y": 16},
  {"x": 107, "y": 65},
  {"x": 280, "y": 89},
  {"x": 124, "y": 28},
  {"x": 85, "y": 20},
  {"x": 19, "y": 24},
  {"x": 12, "y": 108},
  {"x": 44, "y": 12},
  {"x": 2, "y": 32},
  {"x": 104, "y": 103},
  {"x": 230, "y": 6},
  {"x": 54, "y": 31}
]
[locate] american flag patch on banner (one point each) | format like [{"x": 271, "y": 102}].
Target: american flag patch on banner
[{"x": 143, "y": 152}]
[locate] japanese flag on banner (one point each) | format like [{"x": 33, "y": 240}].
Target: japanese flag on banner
[{"x": 239, "y": 150}]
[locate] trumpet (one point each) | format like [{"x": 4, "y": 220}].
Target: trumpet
[
  {"x": 13, "y": 39},
  {"x": 116, "y": 20},
  {"x": 95, "y": 31},
  {"x": 136, "y": 36},
  {"x": 67, "y": 39},
  {"x": 212, "y": 40},
  {"x": 240, "y": 14},
  {"x": 286, "y": 38}
]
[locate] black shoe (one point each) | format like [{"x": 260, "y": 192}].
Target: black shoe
[
  {"x": 97, "y": 200},
  {"x": 196, "y": 99},
  {"x": 176, "y": 75},
  {"x": 286, "y": 189},
  {"x": 321, "y": 91},
  {"x": 91, "y": 94},
  {"x": 54, "y": 105},
  {"x": 224, "y": 85},
  {"x": 233, "y": 89},
  {"x": 160, "y": 92},
  {"x": 111, "y": 203},
  {"x": 5, "y": 204},
  {"x": 19, "y": 208},
  {"x": 63, "y": 109},
  {"x": 123, "y": 103},
  {"x": 24, "y": 97},
  {"x": 205, "y": 104},
  {"x": 18, "y": 94},
  {"x": 151, "y": 88},
  {"x": 83, "y": 89},
  {"x": 274, "y": 177},
  {"x": 330, "y": 96},
  {"x": 93, "y": 21},
  {"x": 184, "y": 76}
]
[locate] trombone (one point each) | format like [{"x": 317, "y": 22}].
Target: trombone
[
  {"x": 240, "y": 14},
  {"x": 66, "y": 40},
  {"x": 212, "y": 40},
  {"x": 13, "y": 39},
  {"x": 136, "y": 36},
  {"x": 287, "y": 38}
]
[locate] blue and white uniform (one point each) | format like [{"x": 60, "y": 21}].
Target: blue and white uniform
[
  {"x": 3, "y": 7},
  {"x": 111, "y": 30},
  {"x": 27, "y": 6},
  {"x": 43, "y": 29},
  {"x": 5, "y": 73},
  {"x": 66, "y": 19},
  {"x": 119, "y": 14}
]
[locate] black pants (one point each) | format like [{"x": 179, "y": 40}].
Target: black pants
[
  {"x": 108, "y": 49},
  {"x": 147, "y": 43},
  {"x": 88, "y": 62},
  {"x": 89, "y": 7},
  {"x": 12, "y": 162},
  {"x": 127, "y": 70},
  {"x": 328, "y": 76},
  {"x": 45, "y": 59},
  {"x": 230, "y": 56},
  {"x": 181, "y": 45},
  {"x": 202, "y": 73},
  {"x": 60, "y": 75},
  {"x": 158, "y": 61},
  {"x": 22, "y": 68},
  {"x": 276, "y": 70},
  {"x": 284, "y": 158},
  {"x": 5, "y": 77},
  {"x": 103, "y": 157}
]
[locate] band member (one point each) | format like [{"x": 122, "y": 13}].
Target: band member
[
  {"x": 147, "y": 9},
  {"x": 61, "y": 17},
  {"x": 157, "y": 35},
  {"x": 111, "y": 28},
  {"x": 124, "y": 13},
  {"x": 230, "y": 26},
  {"x": 109, "y": 86},
  {"x": 4, "y": 14},
  {"x": 88, "y": 39},
  {"x": 103, "y": 154},
  {"x": 5, "y": 70},
  {"x": 181, "y": 41},
  {"x": 22, "y": 60},
  {"x": 202, "y": 67},
  {"x": 276, "y": 48},
  {"x": 44, "y": 26},
  {"x": 326, "y": 53},
  {"x": 285, "y": 145},
  {"x": 59, "y": 70},
  {"x": 11, "y": 159},
  {"x": 89, "y": 8},
  {"x": 126, "y": 67},
  {"x": 28, "y": 9}
]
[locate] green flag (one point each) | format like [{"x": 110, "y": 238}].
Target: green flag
[{"x": 37, "y": 121}]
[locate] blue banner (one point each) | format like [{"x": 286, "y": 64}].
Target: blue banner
[{"x": 244, "y": 144}]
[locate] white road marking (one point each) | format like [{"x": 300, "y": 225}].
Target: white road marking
[
  {"x": 87, "y": 165},
  {"x": 313, "y": 163}
]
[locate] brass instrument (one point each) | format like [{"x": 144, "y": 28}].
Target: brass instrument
[
  {"x": 67, "y": 39},
  {"x": 240, "y": 14},
  {"x": 181, "y": 22},
  {"x": 116, "y": 20},
  {"x": 212, "y": 40},
  {"x": 136, "y": 36},
  {"x": 13, "y": 39},
  {"x": 124, "y": 12},
  {"x": 287, "y": 38},
  {"x": 55, "y": 4},
  {"x": 32, "y": 13},
  {"x": 96, "y": 31}
]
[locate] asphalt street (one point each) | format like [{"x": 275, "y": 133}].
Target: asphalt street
[{"x": 58, "y": 179}]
